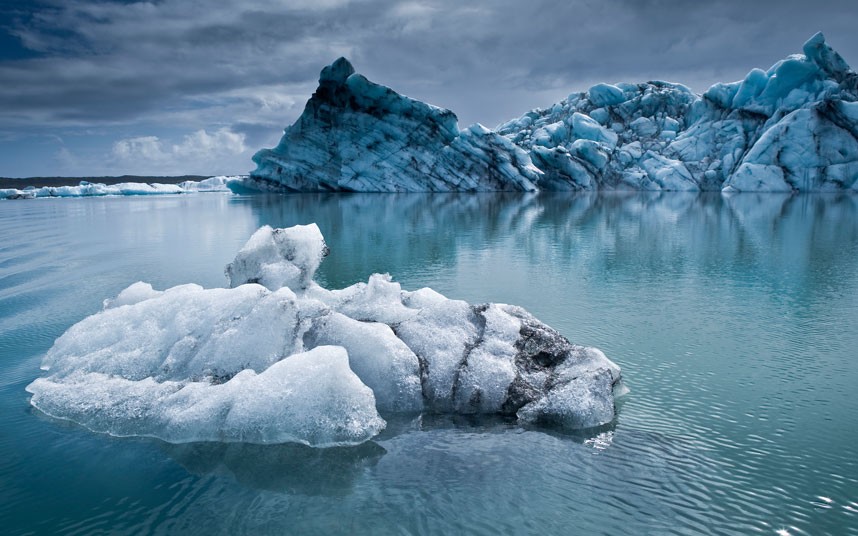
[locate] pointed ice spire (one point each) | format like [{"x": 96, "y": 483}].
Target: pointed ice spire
[
  {"x": 826, "y": 58},
  {"x": 332, "y": 93},
  {"x": 337, "y": 72}
]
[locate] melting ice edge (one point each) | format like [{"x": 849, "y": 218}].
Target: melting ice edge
[{"x": 277, "y": 358}]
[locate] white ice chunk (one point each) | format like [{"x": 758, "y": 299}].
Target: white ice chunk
[
  {"x": 583, "y": 402},
  {"x": 183, "y": 332},
  {"x": 483, "y": 384},
  {"x": 377, "y": 356},
  {"x": 90, "y": 189},
  {"x": 378, "y": 300},
  {"x": 137, "y": 292},
  {"x": 212, "y": 184},
  {"x": 277, "y": 258},
  {"x": 439, "y": 336},
  {"x": 422, "y": 298},
  {"x": 253, "y": 364},
  {"x": 311, "y": 398}
]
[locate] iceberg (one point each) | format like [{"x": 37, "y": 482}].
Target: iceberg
[
  {"x": 277, "y": 358},
  {"x": 358, "y": 136},
  {"x": 90, "y": 189},
  {"x": 792, "y": 128}
]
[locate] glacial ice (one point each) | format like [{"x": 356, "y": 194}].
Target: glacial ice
[
  {"x": 278, "y": 358},
  {"x": 792, "y": 127},
  {"x": 90, "y": 189},
  {"x": 277, "y": 258},
  {"x": 355, "y": 135},
  {"x": 312, "y": 397}
]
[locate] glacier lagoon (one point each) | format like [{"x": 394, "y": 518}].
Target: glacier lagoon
[{"x": 731, "y": 316}]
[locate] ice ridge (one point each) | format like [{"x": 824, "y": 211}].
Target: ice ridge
[
  {"x": 355, "y": 135},
  {"x": 793, "y": 127}
]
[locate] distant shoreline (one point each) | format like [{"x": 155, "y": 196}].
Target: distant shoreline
[{"x": 38, "y": 182}]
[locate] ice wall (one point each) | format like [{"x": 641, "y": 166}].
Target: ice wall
[{"x": 793, "y": 127}]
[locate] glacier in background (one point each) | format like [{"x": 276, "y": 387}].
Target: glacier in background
[
  {"x": 793, "y": 127},
  {"x": 277, "y": 358}
]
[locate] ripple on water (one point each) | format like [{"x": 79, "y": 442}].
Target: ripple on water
[{"x": 731, "y": 324}]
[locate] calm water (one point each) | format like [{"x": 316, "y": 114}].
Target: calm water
[{"x": 734, "y": 320}]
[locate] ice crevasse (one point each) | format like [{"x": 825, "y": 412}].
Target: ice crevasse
[{"x": 277, "y": 358}]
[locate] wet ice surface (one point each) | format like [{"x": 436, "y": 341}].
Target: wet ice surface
[
  {"x": 277, "y": 358},
  {"x": 728, "y": 316}
]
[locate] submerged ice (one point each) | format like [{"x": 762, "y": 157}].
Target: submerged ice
[
  {"x": 277, "y": 358},
  {"x": 793, "y": 127}
]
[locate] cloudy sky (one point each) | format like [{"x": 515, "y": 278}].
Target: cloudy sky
[{"x": 100, "y": 87}]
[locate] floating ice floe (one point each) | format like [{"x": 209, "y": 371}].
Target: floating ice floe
[
  {"x": 793, "y": 127},
  {"x": 277, "y": 358},
  {"x": 90, "y": 189}
]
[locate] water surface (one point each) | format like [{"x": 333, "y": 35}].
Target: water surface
[{"x": 733, "y": 319}]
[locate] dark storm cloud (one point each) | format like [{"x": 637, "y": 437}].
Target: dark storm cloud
[
  {"x": 254, "y": 62},
  {"x": 542, "y": 46},
  {"x": 122, "y": 60}
]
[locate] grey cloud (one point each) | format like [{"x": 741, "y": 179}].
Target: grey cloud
[
  {"x": 258, "y": 134},
  {"x": 104, "y": 62}
]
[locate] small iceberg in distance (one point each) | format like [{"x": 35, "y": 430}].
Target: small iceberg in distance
[
  {"x": 276, "y": 358},
  {"x": 95, "y": 189}
]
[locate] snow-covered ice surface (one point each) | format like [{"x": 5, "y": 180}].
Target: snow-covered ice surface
[
  {"x": 793, "y": 127},
  {"x": 277, "y": 358},
  {"x": 90, "y": 189}
]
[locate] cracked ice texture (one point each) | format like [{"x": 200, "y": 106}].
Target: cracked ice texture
[
  {"x": 793, "y": 127},
  {"x": 355, "y": 135},
  {"x": 265, "y": 363}
]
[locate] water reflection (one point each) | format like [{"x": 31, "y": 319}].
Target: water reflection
[
  {"x": 731, "y": 317},
  {"x": 287, "y": 467},
  {"x": 625, "y": 235},
  {"x": 491, "y": 424},
  {"x": 296, "y": 468},
  {"x": 371, "y": 233}
]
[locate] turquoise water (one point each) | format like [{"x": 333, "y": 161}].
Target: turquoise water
[{"x": 734, "y": 320}]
